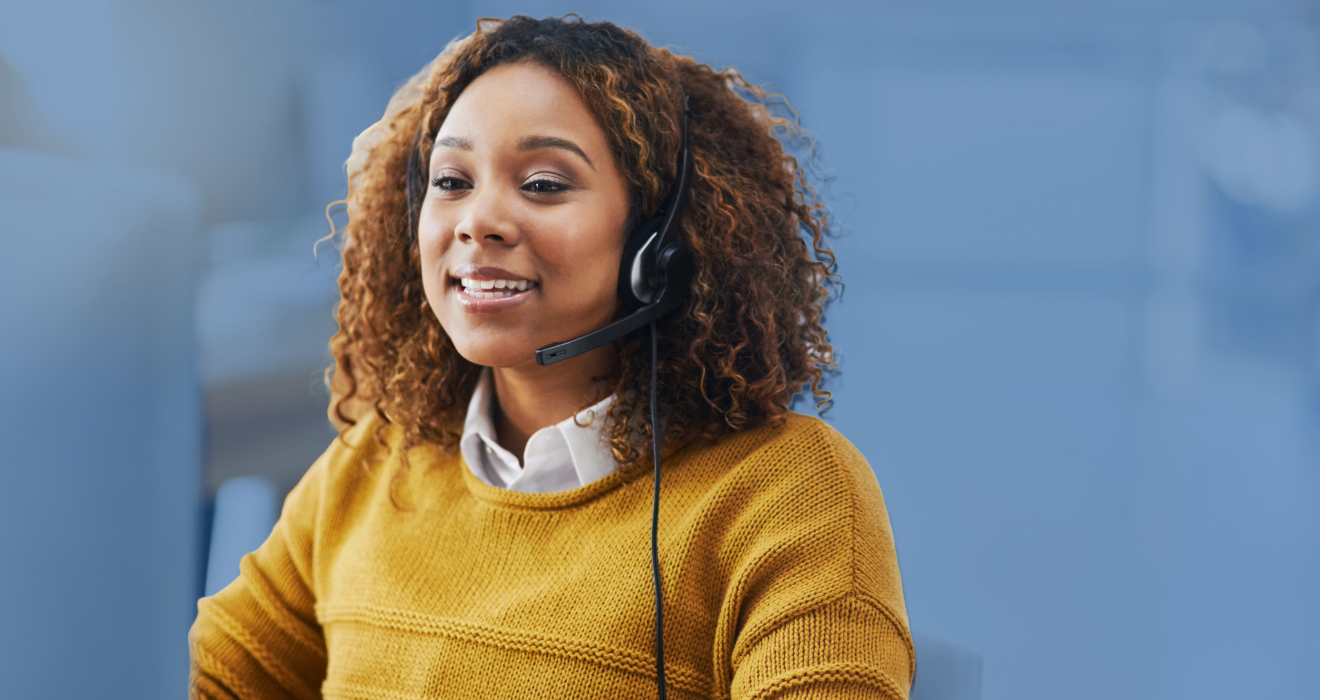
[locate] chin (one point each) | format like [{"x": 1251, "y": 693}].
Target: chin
[{"x": 496, "y": 354}]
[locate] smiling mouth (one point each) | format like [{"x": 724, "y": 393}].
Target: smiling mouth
[{"x": 494, "y": 289}]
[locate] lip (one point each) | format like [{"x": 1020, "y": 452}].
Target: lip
[{"x": 474, "y": 305}]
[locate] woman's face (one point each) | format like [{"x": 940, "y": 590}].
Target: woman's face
[{"x": 521, "y": 230}]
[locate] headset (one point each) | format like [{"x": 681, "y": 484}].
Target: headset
[{"x": 655, "y": 277}]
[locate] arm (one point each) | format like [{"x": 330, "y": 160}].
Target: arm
[
  {"x": 259, "y": 638},
  {"x": 852, "y": 647},
  {"x": 822, "y": 610}
]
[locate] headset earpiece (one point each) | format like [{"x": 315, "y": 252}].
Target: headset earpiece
[{"x": 637, "y": 268}]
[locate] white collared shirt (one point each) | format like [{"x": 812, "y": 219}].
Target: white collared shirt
[{"x": 559, "y": 457}]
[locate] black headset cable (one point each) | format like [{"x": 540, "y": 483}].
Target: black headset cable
[{"x": 655, "y": 522}]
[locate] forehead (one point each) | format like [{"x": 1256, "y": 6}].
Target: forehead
[{"x": 514, "y": 100}]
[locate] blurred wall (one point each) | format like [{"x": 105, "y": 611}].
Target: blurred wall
[
  {"x": 101, "y": 421},
  {"x": 1080, "y": 333}
]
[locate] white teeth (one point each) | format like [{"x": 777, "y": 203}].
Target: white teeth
[{"x": 476, "y": 288}]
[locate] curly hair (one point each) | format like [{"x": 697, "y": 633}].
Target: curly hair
[{"x": 750, "y": 336}]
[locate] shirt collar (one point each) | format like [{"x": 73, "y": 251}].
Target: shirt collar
[{"x": 563, "y": 456}]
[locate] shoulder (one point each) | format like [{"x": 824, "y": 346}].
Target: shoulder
[
  {"x": 804, "y": 513},
  {"x": 809, "y": 436},
  {"x": 824, "y": 464},
  {"x": 361, "y": 462},
  {"x": 370, "y": 439},
  {"x": 844, "y": 477},
  {"x": 801, "y": 457},
  {"x": 810, "y": 444}
]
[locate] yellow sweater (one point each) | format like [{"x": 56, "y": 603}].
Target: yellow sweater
[{"x": 778, "y": 567}]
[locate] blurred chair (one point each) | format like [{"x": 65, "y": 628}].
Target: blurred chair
[
  {"x": 945, "y": 671},
  {"x": 245, "y": 510},
  {"x": 101, "y": 422}
]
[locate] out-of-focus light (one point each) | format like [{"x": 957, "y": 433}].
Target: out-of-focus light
[
  {"x": 245, "y": 511},
  {"x": 1236, "y": 47},
  {"x": 1263, "y": 159}
]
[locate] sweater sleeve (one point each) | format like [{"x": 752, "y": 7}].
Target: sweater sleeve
[
  {"x": 259, "y": 637},
  {"x": 849, "y": 648},
  {"x": 823, "y": 615}
]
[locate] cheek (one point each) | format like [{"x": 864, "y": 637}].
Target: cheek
[
  {"x": 593, "y": 263},
  {"x": 429, "y": 226},
  {"x": 431, "y": 248}
]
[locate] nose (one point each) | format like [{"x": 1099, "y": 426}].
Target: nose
[{"x": 486, "y": 220}]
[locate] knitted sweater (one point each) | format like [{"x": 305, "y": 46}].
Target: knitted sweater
[{"x": 778, "y": 569}]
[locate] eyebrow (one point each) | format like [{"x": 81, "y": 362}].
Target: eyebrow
[
  {"x": 531, "y": 143},
  {"x": 454, "y": 142}
]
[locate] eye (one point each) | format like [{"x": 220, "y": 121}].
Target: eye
[
  {"x": 543, "y": 185},
  {"x": 449, "y": 183}
]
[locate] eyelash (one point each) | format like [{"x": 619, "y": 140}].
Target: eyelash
[
  {"x": 439, "y": 182},
  {"x": 558, "y": 186}
]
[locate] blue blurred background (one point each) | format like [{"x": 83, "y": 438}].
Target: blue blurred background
[{"x": 1080, "y": 334}]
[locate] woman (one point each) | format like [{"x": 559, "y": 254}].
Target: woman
[{"x": 420, "y": 556}]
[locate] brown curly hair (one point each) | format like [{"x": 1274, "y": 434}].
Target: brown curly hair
[{"x": 750, "y": 336}]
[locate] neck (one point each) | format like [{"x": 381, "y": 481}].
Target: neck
[{"x": 531, "y": 397}]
